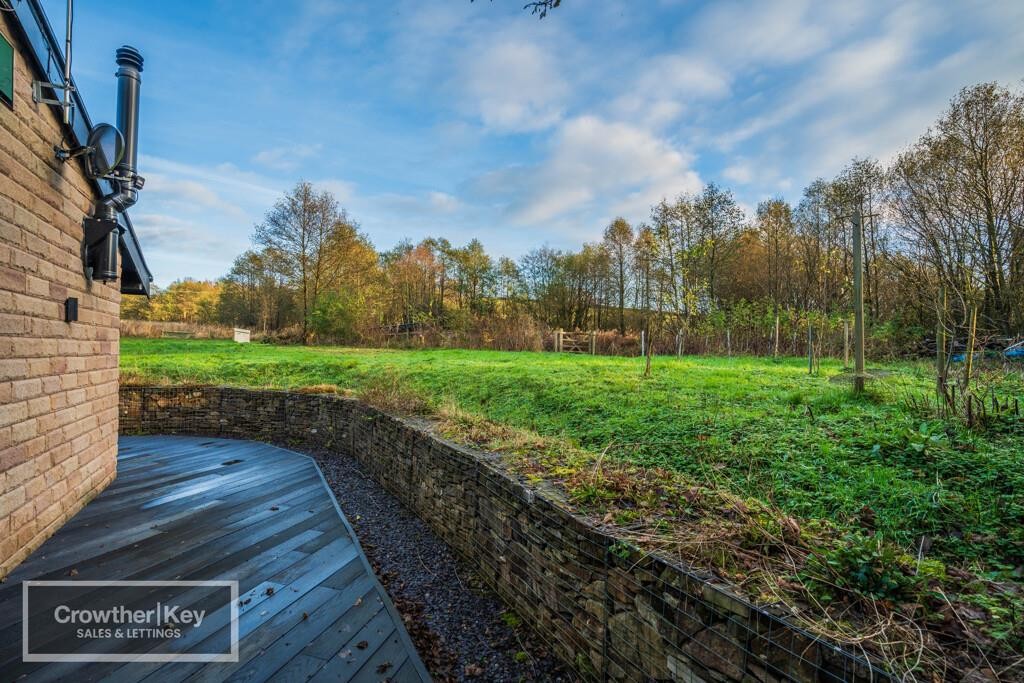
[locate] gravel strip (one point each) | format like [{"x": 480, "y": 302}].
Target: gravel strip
[{"x": 461, "y": 629}]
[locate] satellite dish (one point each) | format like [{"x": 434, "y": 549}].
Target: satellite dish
[{"x": 104, "y": 150}]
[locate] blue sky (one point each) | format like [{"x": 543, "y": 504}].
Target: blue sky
[{"x": 463, "y": 120}]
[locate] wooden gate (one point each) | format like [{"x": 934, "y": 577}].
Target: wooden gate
[{"x": 575, "y": 342}]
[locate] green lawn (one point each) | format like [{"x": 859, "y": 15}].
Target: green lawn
[{"x": 762, "y": 428}]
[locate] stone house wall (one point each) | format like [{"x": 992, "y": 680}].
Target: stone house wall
[
  {"x": 58, "y": 380},
  {"x": 611, "y": 613}
]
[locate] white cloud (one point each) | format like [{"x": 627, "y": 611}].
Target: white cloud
[
  {"x": 432, "y": 203},
  {"x": 342, "y": 190},
  {"x": 746, "y": 33},
  {"x": 881, "y": 81},
  {"x": 854, "y": 77},
  {"x": 514, "y": 85},
  {"x": 185, "y": 191},
  {"x": 193, "y": 219},
  {"x": 443, "y": 202},
  {"x": 611, "y": 167},
  {"x": 664, "y": 86},
  {"x": 310, "y": 20},
  {"x": 165, "y": 232},
  {"x": 739, "y": 172},
  {"x": 224, "y": 179},
  {"x": 684, "y": 75},
  {"x": 286, "y": 158}
]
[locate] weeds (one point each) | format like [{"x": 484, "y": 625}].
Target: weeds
[
  {"x": 511, "y": 619},
  {"x": 861, "y": 564}
]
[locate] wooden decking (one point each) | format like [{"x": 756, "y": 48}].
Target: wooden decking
[{"x": 193, "y": 508}]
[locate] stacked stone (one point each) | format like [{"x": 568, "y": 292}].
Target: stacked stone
[{"x": 611, "y": 612}]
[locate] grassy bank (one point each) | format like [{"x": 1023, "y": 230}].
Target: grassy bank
[
  {"x": 761, "y": 428},
  {"x": 870, "y": 521}
]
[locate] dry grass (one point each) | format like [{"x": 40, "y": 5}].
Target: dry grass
[
  {"x": 132, "y": 378},
  {"x": 390, "y": 393},
  {"x": 753, "y": 545},
  {"x": 324, "y": 389},
  {"x": 153, "y": 329}
]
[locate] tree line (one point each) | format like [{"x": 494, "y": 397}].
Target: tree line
[{"x": 943, "y": 251}]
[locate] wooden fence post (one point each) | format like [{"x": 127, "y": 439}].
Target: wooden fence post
[
  {"x": 810, "y": 347},
  {"x": 776, "y": 335},
  {"x": 642, "y": 347},
  {"x": 846, "y": 343},
  {"x": 558, "y": 340},
  {"x": 972, "y": 332},
  {"x": 940, "y": 354},
  {"x": 593, "y": 343},
  {"x": 728, "y": 342}
]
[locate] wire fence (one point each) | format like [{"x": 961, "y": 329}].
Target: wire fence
[{"x": 608, "y": 609}]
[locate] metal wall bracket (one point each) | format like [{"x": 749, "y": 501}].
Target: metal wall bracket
[
  {"x": 39, "y": 93},
  {"x": 69, "y": 154},
  {"x": 96, "y": 229}
]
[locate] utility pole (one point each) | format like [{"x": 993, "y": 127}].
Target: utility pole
[{"x": 858, "y": 301}]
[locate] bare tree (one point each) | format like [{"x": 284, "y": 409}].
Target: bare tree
[
  {"x": 720, "y": 220},
  {"x": 775, "y": 228},
  {"x": 304, "y": 227},
  {"x": 959, "y": 193},
  {"x": 618, "y": 238}
]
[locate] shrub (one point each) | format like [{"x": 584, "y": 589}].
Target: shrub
[{"x": 860, "y": 564}]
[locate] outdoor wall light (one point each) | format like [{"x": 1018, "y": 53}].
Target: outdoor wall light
[{"x": 71, "y": 309}]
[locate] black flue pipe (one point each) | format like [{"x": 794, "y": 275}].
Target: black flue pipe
[
  {"x": 129, "y": 63},
  {"x": 102, "y": 254}
]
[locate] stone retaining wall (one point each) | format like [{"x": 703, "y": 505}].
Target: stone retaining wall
[{"x": 611, "y": 613}]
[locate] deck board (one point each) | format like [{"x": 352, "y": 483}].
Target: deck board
[{"x": 192, "y": 508}]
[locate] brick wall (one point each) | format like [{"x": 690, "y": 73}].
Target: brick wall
[
  {"x": 58, "y": 381},
  {"x": 609, "y": 611}
]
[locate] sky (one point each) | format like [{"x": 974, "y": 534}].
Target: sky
[{"x": 467, "y": 120}]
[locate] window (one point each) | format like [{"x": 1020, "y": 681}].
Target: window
[{"x": 6, "y": 71}]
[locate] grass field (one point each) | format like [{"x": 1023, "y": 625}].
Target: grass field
[{"x": 760, "y": 428}]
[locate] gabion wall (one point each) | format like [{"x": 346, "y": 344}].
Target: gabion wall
[{"x": 611, "y": 615}]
